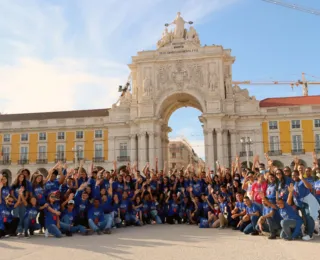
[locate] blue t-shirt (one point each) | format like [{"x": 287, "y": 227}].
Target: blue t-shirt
[
  {"x": 31, "y": 213},
  {"x": 146, "y": 207},
  {"x": 70, "y": 215},
  {"x": 125, "y": 207},
  {"x": 205, "y": 208},
  {"x": 253, "y": 208},
  {"x": 197, "y": 188},
  {"x": 173, "y": 208},
  {"x": 266, "y": 210},
  {"x": 5, "y": 191},
  {"x": 52, "y": 186},
  {"x": 283, "y": 189},
  {"x": 50, "y": 218},
  {"x": 39, "y": 193},
  {"x": 81, "y": 206},
  {"x": 96, "y": 214},
  {"x": 107, "y": 206},
  {"x": 300, "y": 191},
  {"x": 271, "y": 192},
  {"x": 240, "y": 206},
  {"x": 6, "y": 213},
  {"x": 289, "y": 213}
]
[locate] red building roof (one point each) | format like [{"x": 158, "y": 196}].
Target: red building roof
[{"x": 290, "y": 101}]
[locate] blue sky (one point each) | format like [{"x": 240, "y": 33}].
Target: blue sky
[{"x": 73, "y": 54}]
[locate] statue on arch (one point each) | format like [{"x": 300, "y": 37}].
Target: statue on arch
[
  {"x": 192, "y": 35},
  {"x": 166, "y": 38},
  {"x": 213, "y": 81},
  {"x": 179, "y": 30},
  {"x": 147, "y": 86}
]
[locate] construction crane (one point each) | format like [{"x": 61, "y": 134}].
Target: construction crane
[
  {"x": 294, "y": 6},
  {"x": 303, "y": 82}
]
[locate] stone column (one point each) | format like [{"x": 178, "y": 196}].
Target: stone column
[
  {"x": 111, "y": 149},
  {"x": 233, "y": 139},
  {"x": 225, "y": 148},
  {"x": 220, "y": 152},
  {"x": 133, "y": 147},
  {"x": 151, "y": 150},
  {"x": 142, "y": 150},
  {"x": 206, "y": 145},
  {"x": 210, "y": 159},
  {"x": 159, "y": 150}
]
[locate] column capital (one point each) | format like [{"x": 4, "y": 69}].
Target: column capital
[
  {"x": 133, "y": 136},
  {"x": 151, "y": 133},
  {"x": 219, "y": 130},
  {"x": 233, "y": 131},
  {"x": 141, "y": 134}
]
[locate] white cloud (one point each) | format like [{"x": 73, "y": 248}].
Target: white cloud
[{"x": 73, "y": 54}]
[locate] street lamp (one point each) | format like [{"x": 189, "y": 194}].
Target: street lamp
[
  {"x": 247, "y": 142},
  {"x": 76, "y": 151}
]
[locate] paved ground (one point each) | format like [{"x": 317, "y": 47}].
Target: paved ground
[{"x": 159, "y": 242}]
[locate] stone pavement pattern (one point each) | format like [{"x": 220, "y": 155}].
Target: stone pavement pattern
[{"x": 159, "y": 242}]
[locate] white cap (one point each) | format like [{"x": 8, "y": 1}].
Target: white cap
[{"x": 71, "y": 202}]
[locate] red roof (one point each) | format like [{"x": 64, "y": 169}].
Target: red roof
[{"x": 290, "y": 101}]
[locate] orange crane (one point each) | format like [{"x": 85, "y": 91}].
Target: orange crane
[
  {"x": 294, "y": 6},
  {"x": 303, "y": 82}
]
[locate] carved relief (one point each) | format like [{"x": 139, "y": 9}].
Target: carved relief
[
  {"x": 163, "y": 75},
  {"x": 147, "y": 86},
  {"x": 180, "y": 75},
  {"x": 213, "y": 77},
  {"x": 196, "y": 77}
]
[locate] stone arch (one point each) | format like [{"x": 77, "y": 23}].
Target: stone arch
[
  {"x": 175, "y": 100},
  {"x": 278, "y": 164},
  {"x": 8, "y": 174}
]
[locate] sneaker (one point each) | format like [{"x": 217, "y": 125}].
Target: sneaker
[
  {"x": 31, "y": 231},
  {"x": 107, "y": 231},
  {"x": 307, "y": 238},
  {"x": 26, "y": 235},
  {"x": 40, "y": 232},
  {"x": 20, "y": 234},
  {"x": 46, "y": 233},
  {"x": 255, "y": 233},
  {"x": 7, "y": 236},
  {"x": 221, "y": 227}
]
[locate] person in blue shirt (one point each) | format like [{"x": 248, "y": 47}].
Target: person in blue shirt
[
  {"x": 38, "y": 192},
  {"x": 30, "y": 218},
  {"x": 52, "y": 216},
  {"x": 107, "y": 207},
  {"x": 238, "y": 212},
  {"x": 4, "y": 187},
  {"x": 126, "y": 213},
  {"x": 118, "y": 186},
  {"x": 154, "y": 205},
  {"x": 271, "y": 188},
  {"x": 146, "y": 217},
  {"x": 18, "y": 212},
  {"x": 282, "y": 185},
  {"x": 137, "y": 208},
  {"x": 67, "y": 219},
  {"x": 96, "y": 218},
  {"x": 82, "y": 206},
  {"x": 225, "y": 213},
  {"x": 291, "y": 221},
  {"x": 197, "y": 186},
  {"x": 253, "y": 212},
  {"x": 173, "y": 209},
  {"x": 270, "y": 219},
  {"x": 10, "y": 222}
]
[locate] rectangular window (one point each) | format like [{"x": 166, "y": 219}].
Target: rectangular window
[
  {"x": 79, "y": 134},
  {"x": 60, "y": 152},
  {"x": 274, "y": 143},
  {"x": 24, "y": 137},
  {"x": 42, "y": 152},
  {"x": 6, "y": 138},
  {"x": 60, "y": 135},
  {"x": 296, "y": 143},
  {"x": 295, "y": 124},
  {"x": 174, "y": 155},
  {"x": 23, "y": 153},
  {"x": 123, "y": 150},
  {"x": 79, "y": 151},
  {"x": 6, "y": 153},
  {"x": 98, "y": 151},
  {"x": 317, "y": 123},
  {"x": 318, "y": 142},
  {"x": 42, "y": 136},
  {"x": 273, "y": 125},
  {"x": 98, "y": 134}
]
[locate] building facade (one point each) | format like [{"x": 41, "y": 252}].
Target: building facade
[
  {"x": 179, "y": 73},
  {"x": 182, "y": 154}
]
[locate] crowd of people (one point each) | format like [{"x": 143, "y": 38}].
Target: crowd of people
[{"x": 262, "y": 200}]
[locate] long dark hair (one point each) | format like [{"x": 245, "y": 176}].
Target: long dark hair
[
  {"x": 16, "y": 181},
  {"x": 282, "y": 182}
]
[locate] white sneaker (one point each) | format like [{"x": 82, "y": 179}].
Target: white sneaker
[
  {"x": 46, "y": 233},
  {"x": 307, "y": 238}
]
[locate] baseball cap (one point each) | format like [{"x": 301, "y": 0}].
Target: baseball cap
[{"x": 71, "y": 202}]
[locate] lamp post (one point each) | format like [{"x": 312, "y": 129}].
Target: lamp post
[
  {"x": 247, "y": 142},
  {"x": 75, "y": 150}
]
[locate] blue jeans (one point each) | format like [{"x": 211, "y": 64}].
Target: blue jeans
[
  {"x": 308, "y": 220},
  {"x": 19, "y": 212},
  {"x": 66, "y": 225},
  {"x": 54, "y": 230},
  {"x": 131, "y": 219},
  {"x": 109, "y": 219},
  {"x": 28, "y": 225},
  {"x": 97, "y": 227},
  {"x": 252, "y": 226},
  {"x": 288, "y": 225}
]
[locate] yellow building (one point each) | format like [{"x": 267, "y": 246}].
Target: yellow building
[{"x": 291, "y": 128}]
